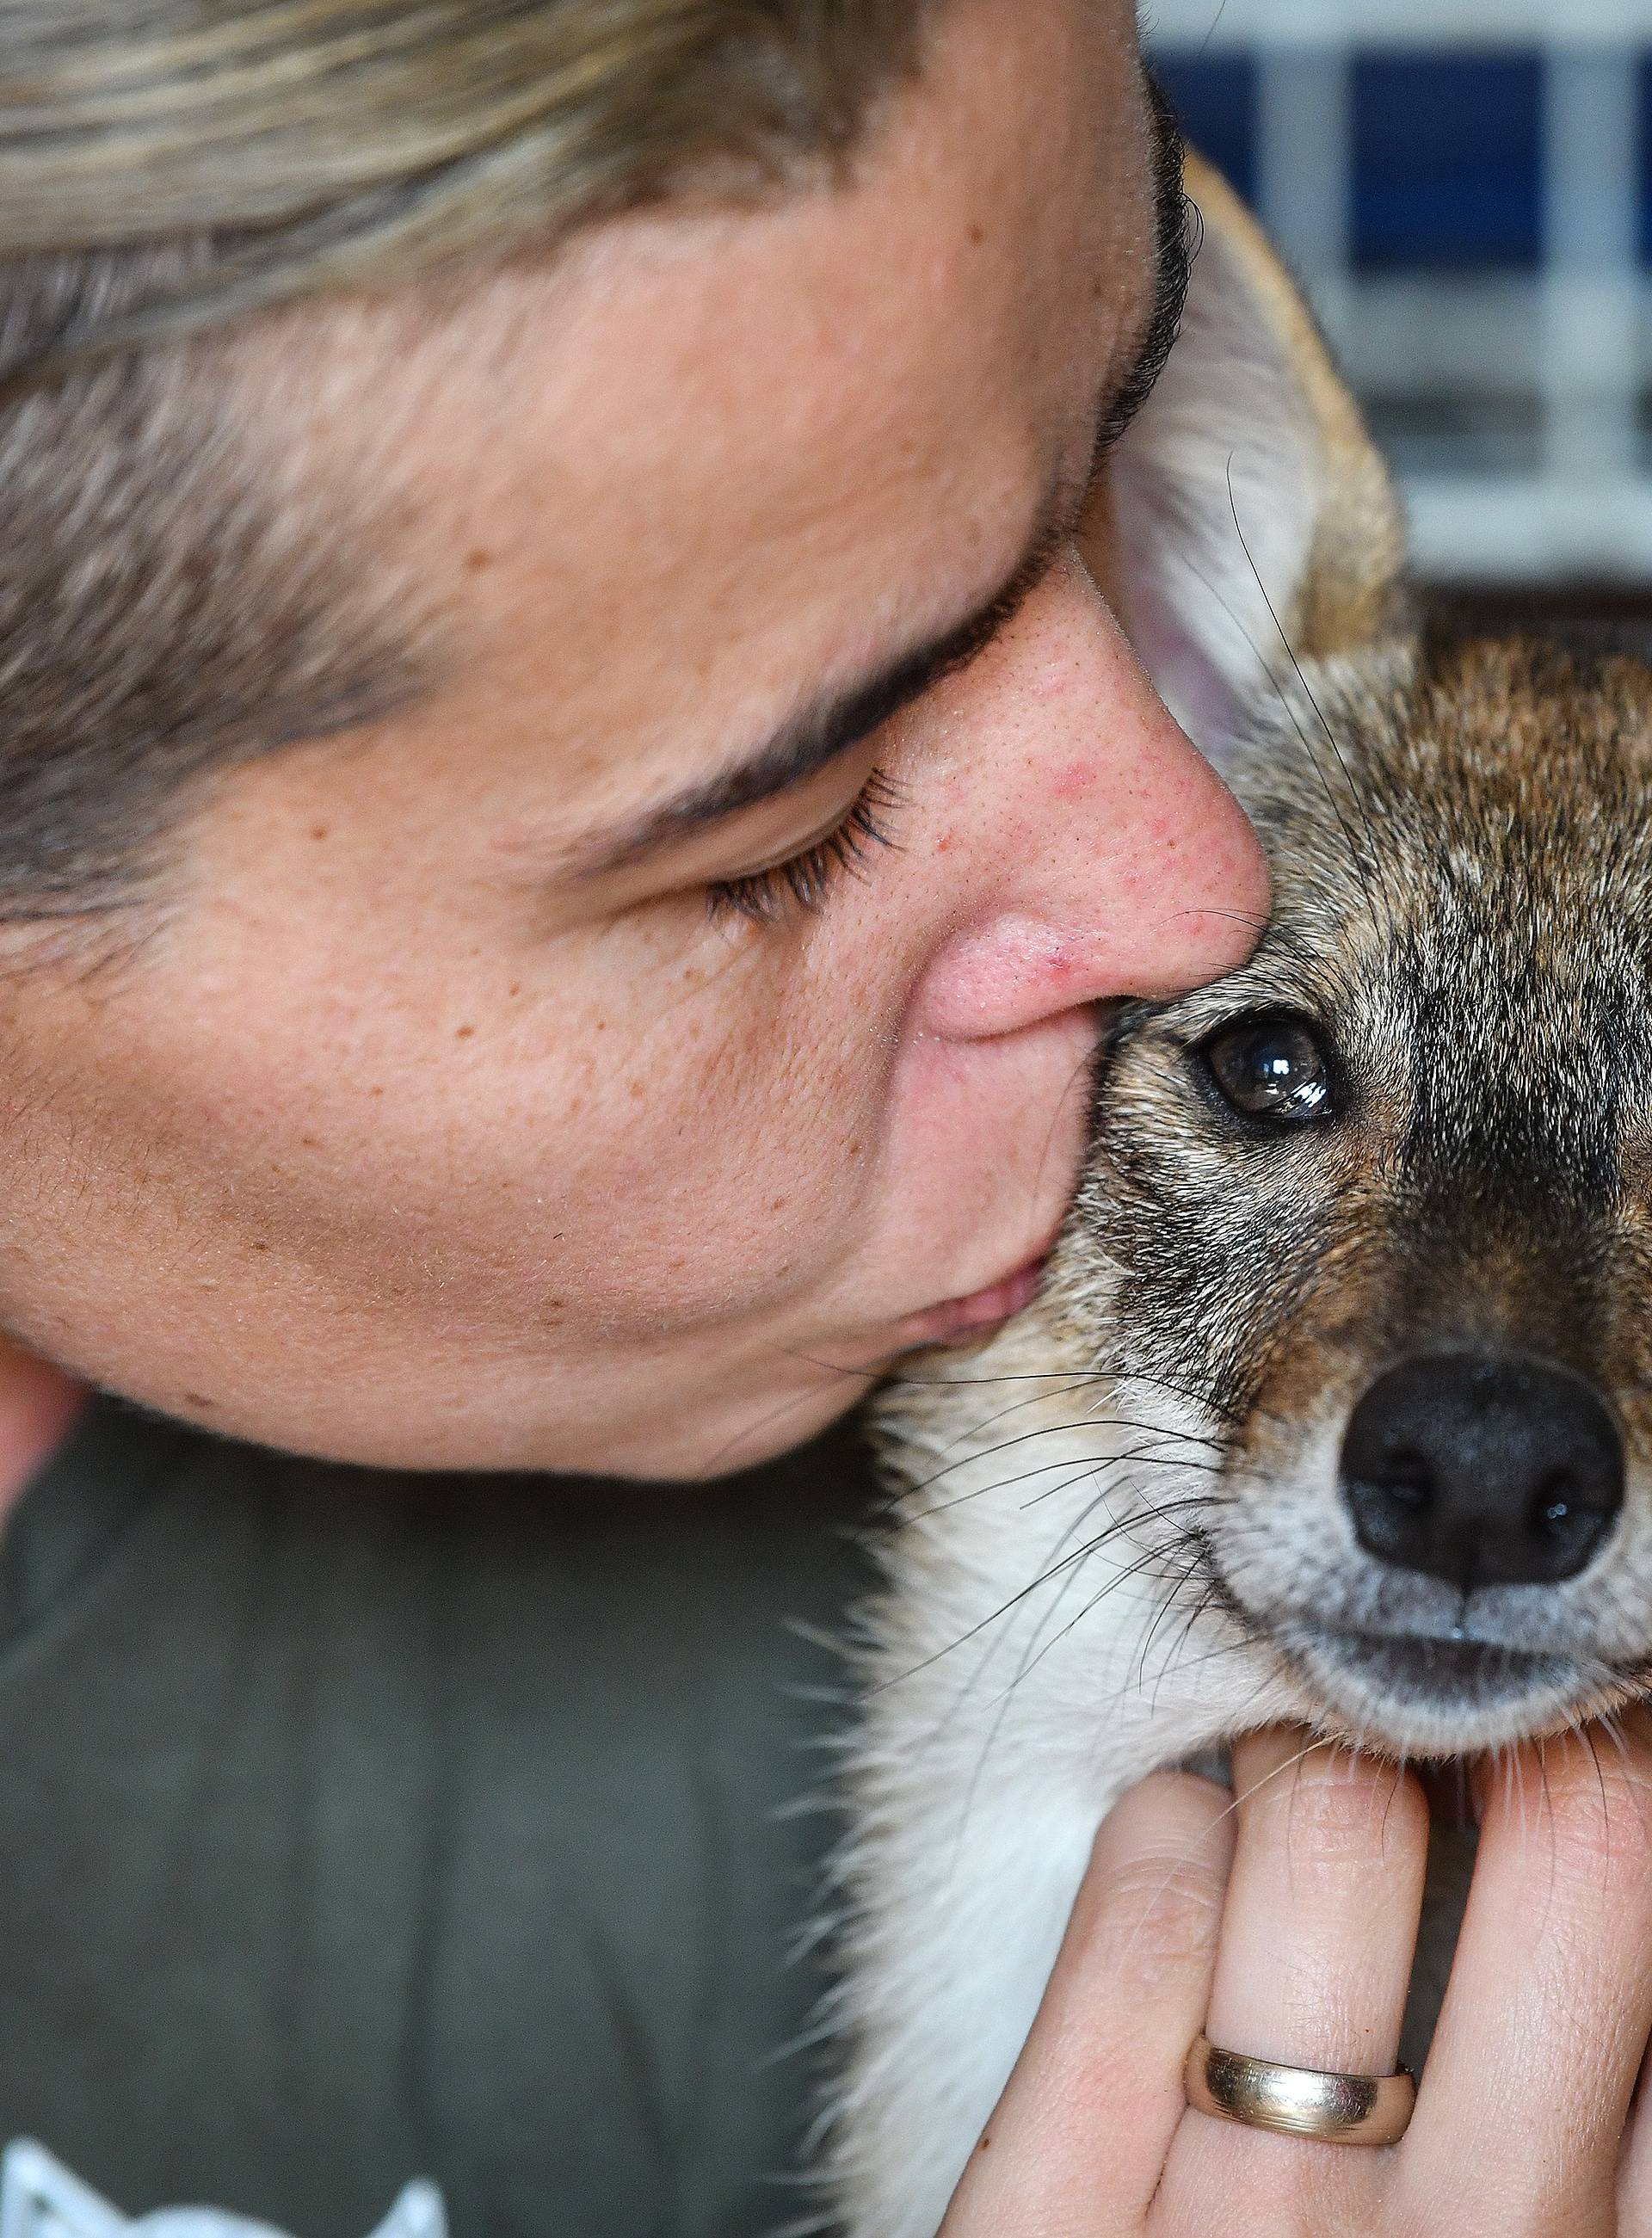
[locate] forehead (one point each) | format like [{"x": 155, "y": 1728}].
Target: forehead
[{"x": 709, "y": 453}]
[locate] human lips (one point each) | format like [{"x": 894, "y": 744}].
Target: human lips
[{"x": 956, "y": 1318}]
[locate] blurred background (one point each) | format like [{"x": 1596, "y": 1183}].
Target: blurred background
[{"x": 1466, "y": 193}]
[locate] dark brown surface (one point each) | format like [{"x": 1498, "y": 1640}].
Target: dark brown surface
[{"x": 1496, "y": 608}]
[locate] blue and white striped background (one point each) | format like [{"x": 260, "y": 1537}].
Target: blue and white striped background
[{"x": 1466, "y": 192}]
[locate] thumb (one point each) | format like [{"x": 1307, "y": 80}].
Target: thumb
[{"x": 1078, "y": 2140}]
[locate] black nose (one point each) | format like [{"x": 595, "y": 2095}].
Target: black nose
[{"x": 1501, "y": 1470}]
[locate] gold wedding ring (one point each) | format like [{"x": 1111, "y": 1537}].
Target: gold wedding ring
[{"x": 1301, "y": 2101}]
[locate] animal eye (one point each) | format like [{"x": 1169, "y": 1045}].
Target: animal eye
[{"x": 1271, "y": 1067}]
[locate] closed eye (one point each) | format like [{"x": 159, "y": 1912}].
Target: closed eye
[{"x": 803, "y": 881}]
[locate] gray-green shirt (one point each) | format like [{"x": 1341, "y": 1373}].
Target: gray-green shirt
[{"x": 361, "y": 1829}]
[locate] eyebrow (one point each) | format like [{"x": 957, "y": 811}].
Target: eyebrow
[{"x": 822, "y": 733}]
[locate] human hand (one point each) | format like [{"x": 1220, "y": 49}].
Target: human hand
[{"x": 1284, "y": 1924}]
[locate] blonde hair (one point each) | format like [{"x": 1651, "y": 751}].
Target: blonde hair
[
  {"x": 167, "y": 166},
  {"x": 280, "y": 146}
]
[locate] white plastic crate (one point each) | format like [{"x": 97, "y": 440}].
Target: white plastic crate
[{"x": 1575, "y": 335}]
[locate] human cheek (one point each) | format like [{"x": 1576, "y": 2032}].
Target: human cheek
[{"x": 728, "y": 1115}]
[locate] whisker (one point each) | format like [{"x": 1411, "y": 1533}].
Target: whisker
[
  {"x": 1119, "y": 1527},
  {"x": 1025, "y": 1375},
  {"x": 1147, "y": 1458},
  {"x": 1030, "y": 1662},
  {"x": 1170, "y": 1602},
  {"x": 1208, "y": 1600},
  {"x": 1051, "y": 1570},
  {"x": 1011, "y": 1445},
  {"x": 974, "y": 1429}
]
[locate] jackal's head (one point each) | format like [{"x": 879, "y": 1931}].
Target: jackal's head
[{"x": 1374, "y": 1215}]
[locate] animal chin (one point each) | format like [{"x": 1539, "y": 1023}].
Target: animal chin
[{"x": 1442, "y": 1697}]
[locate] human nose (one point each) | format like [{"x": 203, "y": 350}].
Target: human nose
[{"x": 1118, "y": 862}]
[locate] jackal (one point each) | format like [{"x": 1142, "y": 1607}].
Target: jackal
[{"x": 1338, "y": 1405}]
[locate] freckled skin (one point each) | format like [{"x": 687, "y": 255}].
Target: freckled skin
[{"x": 688, "y": 1182}]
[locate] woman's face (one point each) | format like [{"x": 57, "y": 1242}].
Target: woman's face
[{"x": 686, "y": 1007}]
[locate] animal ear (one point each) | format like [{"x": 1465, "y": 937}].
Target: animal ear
[{"x": 1250, "y": 505}]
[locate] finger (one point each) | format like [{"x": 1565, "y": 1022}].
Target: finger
[
  {"x": 1079, "y": 2138},
  {"x": 1317, "y": 1937},
  {"x": 1546, "y": 2014},
  {"x": 1323, "y": 1905}
]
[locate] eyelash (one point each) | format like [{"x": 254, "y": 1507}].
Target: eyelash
[{"x": 803, "y": 883}]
